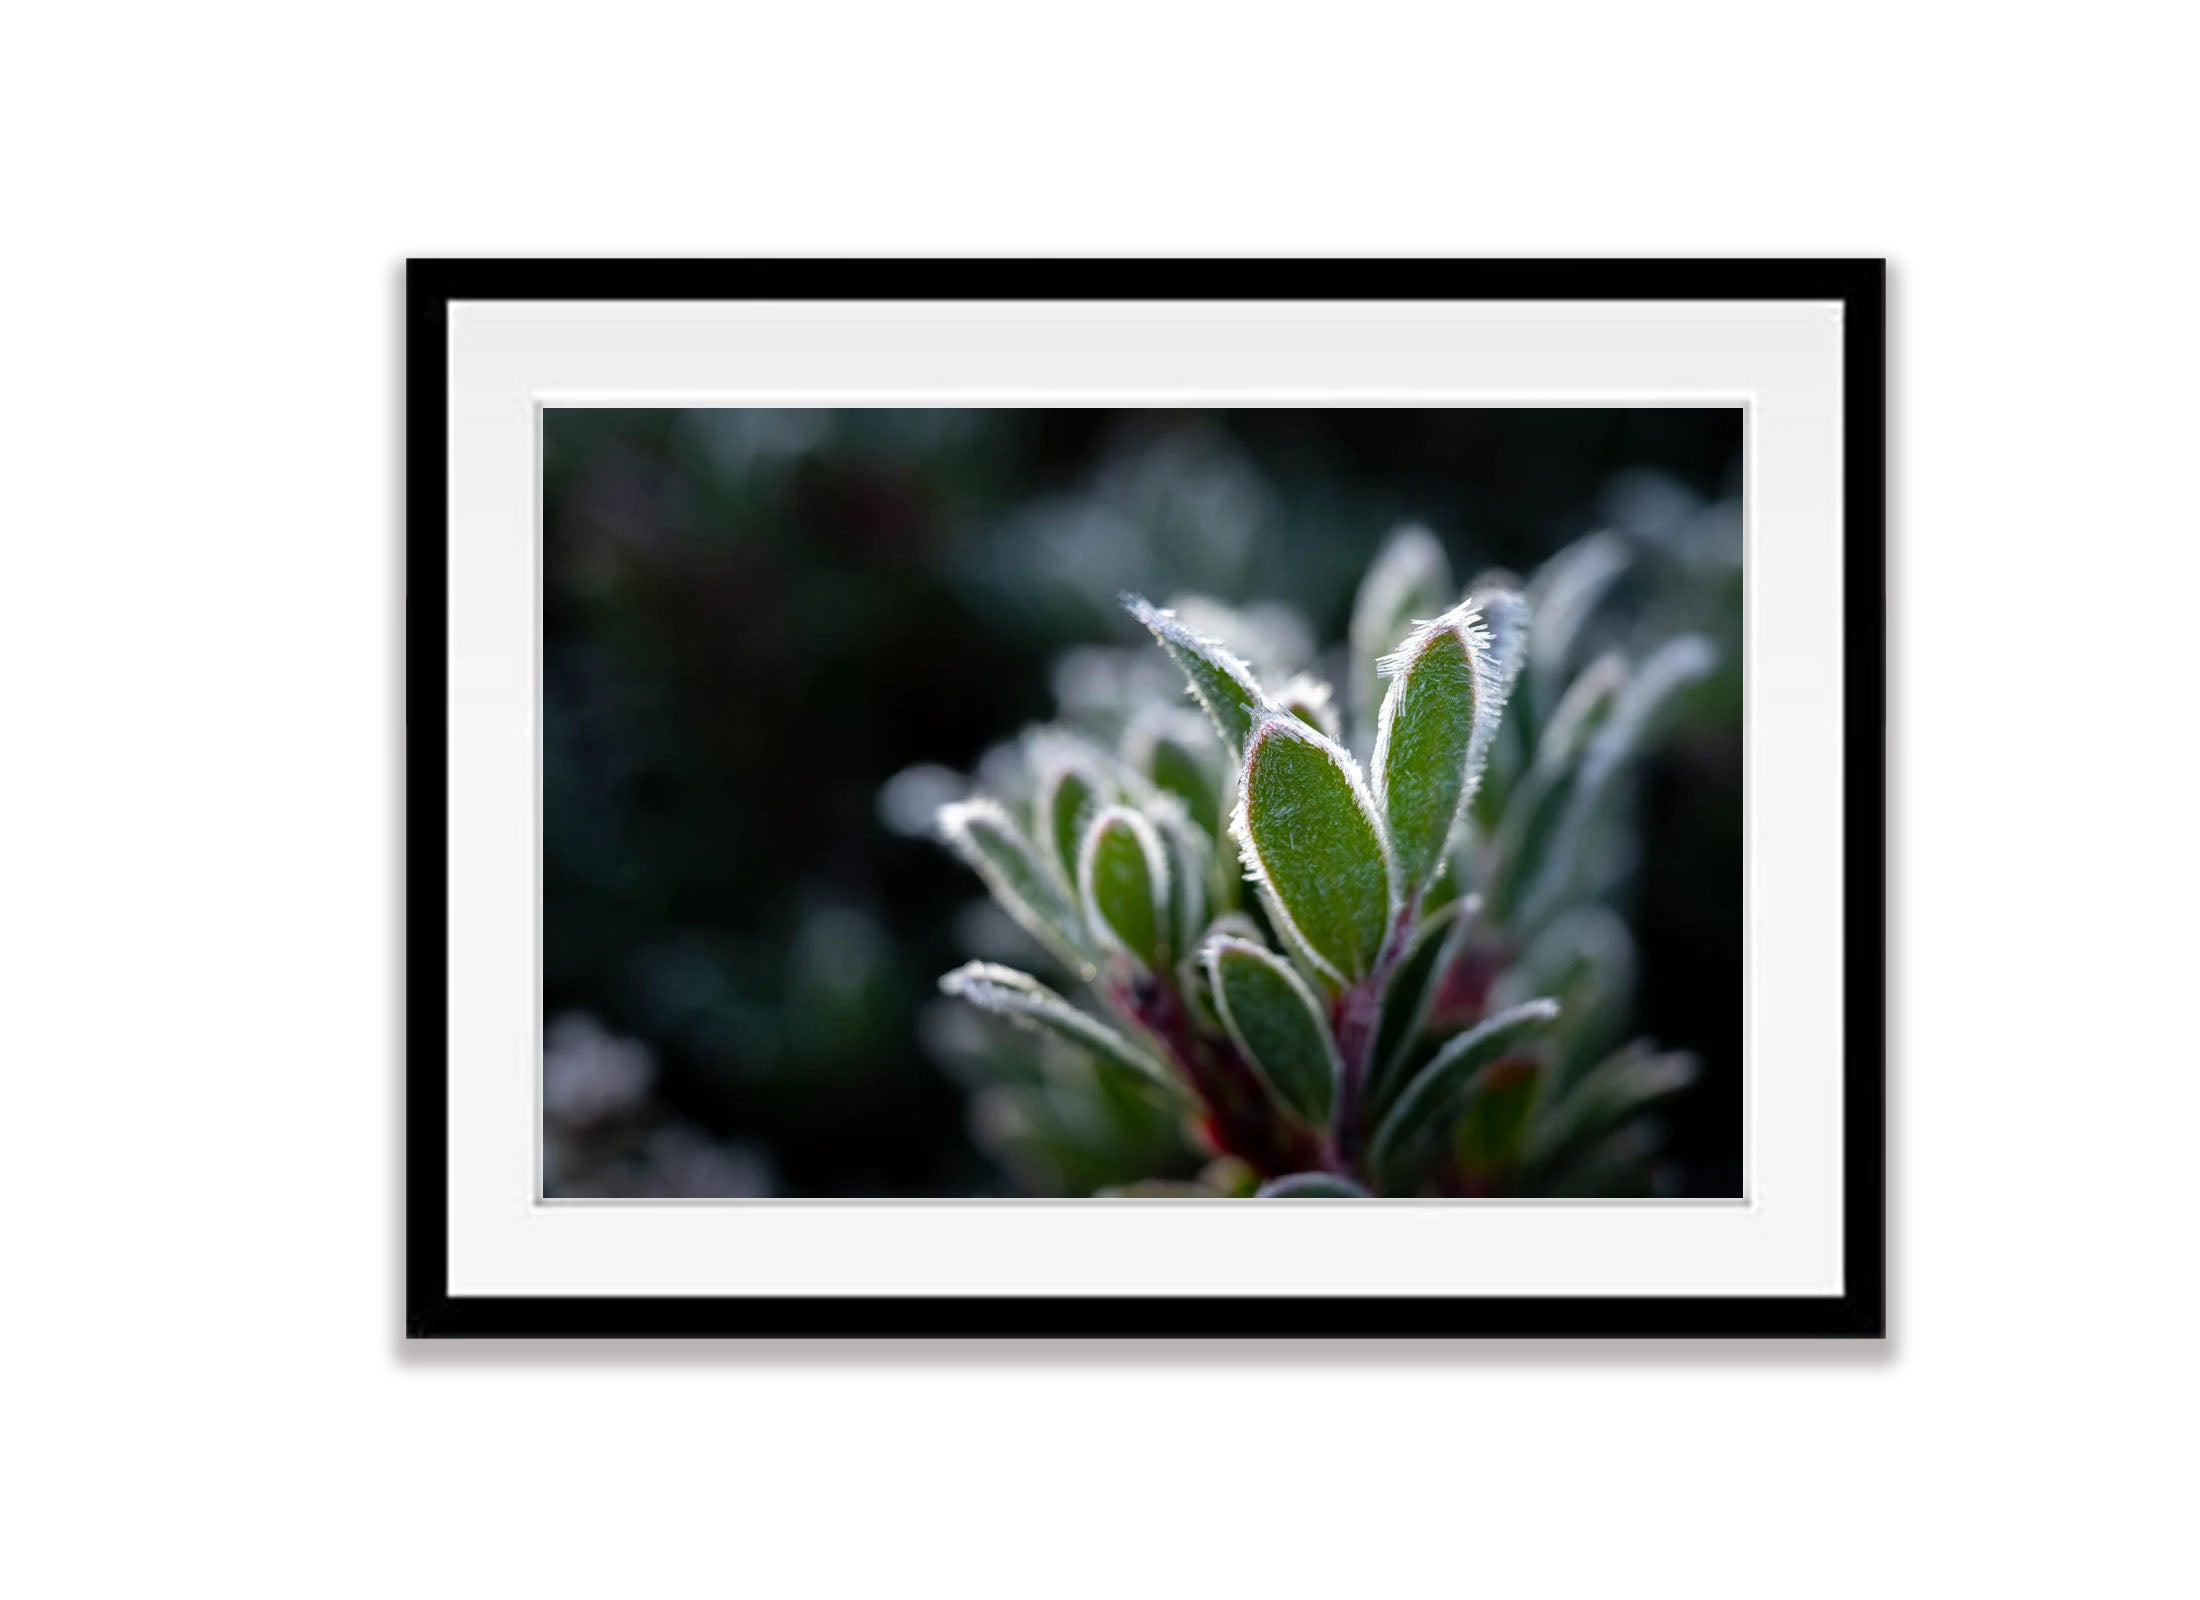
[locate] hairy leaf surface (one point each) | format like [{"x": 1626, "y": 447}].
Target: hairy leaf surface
[
  {"x": 1025, "y": 1000},
  {"x": 1313, "y": 703},
  {"x": 1311, "y": 836},
  {"x": 1409, "y": 579},
  {"x": 1505, "y": 615},
  {"x": 982, "y": 833},
  {"x": 1434, "y": 728},
  {"x": 1277, "y": 1022},
  {"x": 1123, "y": 882},
  {"x": 1223, "y": 684}
]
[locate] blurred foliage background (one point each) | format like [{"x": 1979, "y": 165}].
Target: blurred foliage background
[{"x": 753, "y": 620}]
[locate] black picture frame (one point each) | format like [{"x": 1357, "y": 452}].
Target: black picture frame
[{"x": 1859, "y": 1311}]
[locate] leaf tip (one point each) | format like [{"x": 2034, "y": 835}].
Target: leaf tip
[
  {"x": 1464, "y": 619},
  {"x": 953, "y": 821}
]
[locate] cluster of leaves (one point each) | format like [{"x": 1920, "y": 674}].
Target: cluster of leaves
[{"x": 1342, "y": 974}]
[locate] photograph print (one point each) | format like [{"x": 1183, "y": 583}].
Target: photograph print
[{"x": 1142, "y": 804}]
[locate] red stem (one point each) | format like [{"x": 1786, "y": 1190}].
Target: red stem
[
  {"x": 1356, "y": 1017},
  {"x": 1241, "y": 1119}
]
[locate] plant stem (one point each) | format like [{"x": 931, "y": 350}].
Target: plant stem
[
  {"x": 1356, "y": 1018},
  {"x": 1241, "y": 1119}
]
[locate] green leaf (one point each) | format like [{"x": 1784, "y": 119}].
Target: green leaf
[
  {"x": 1318, "y": 974},
  {"x": 1505, "y": 614},
  {"x": 1608, "y": 1095},
  {"x": 1522, "y": 849},
  {"x": 1569, "y": 811},
  {"x": 1311, "y": 1186},
  {"x": 1639, "y": 709},
  {"x": 1311, "y": 837},
  {"x": 1565, "y": 593},
  {"x": 1269, "y": 637},
  {"x": 981, "y": 832},
  {"x": 1068, "y": 793},
  {"x": 1585, "y": 959},
  {"x": 1493, "y": 1124},
  {"x": 1191, "y": 971},
  {"x": 1406, "y": 998},
  {"x": 1191, "y": 868},
  {"x": 1023, "y": 999},
  {"x": 1426, "y": 1112},
  {"x": 1311, "y": 701},
  {"x": 1123, "y": 884},
  {"x": 1525, "y": 840},
  {"x": 1233, "y": 925},
  {"x": 1277, "y": 1023},
  {"x": 1443, "y": 889},
  {"x": 1223, "y": 685},
  {"x": 1408, "y": 579},
  {"x": 1432, "y": 735},
  {"x": 1581, "y": 710},
  {"x": 1174, "y": 750}
]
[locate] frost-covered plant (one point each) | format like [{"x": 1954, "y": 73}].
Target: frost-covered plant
[{"x": 1383, "y": 973}]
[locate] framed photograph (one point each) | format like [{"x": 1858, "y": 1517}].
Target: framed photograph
[{"x": 1146, "y": 798}]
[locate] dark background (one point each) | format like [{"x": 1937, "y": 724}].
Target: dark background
[{"x": 753, "y": 620}]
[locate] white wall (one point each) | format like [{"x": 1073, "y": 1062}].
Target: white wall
[{"x": 206, "y": 208}]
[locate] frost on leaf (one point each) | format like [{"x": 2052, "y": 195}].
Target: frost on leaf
[
  {"x": 1312, "y": 702},
  {"x": 1278, "y": 1024},
  {"x": 1505, "y": 616},
  {"x": 1070, "y": 787},
  {"x": 1433, "y": 734},
  {"x": 1311, "y": 837},
  {"x": 1123, "y": 885},
  {"x": 1023, "y": 999},
  {"x": 1454, "y": 873},
  {"x": 1409, "y": 578},
  {"x": 982, "y": 833},
  {"x": 1223, "y": 684}
]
